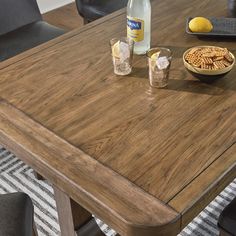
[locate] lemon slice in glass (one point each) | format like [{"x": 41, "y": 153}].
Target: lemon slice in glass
[
  {"x": 154, "y": 57},
  {"x": 116, "y": 49}
]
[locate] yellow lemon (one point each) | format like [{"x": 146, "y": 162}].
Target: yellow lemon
[
  {"x": 200, "y": 25},
  {"x": 116, "y": 49}
]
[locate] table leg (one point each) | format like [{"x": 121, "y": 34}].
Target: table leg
[{"x": 74, "y": 218}]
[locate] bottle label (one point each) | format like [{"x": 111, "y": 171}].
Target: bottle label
[{"x": 135, "y": 29}]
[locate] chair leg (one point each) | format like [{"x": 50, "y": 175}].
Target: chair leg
[
  {"x": 38, "y": 176},
  {"x": 86, "y": 21},
  {"x": 35, "y": 232},
  {"x": 224, "y": 233}
]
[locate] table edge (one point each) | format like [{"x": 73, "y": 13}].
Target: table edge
[
  {"x": 221, "y": 179},
  {"x": 19, "y": 133}
]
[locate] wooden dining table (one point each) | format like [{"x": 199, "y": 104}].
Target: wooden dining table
[{"x": 145, "y": 161}]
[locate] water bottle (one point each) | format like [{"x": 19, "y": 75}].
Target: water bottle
[{"x": 139, "y": 24}]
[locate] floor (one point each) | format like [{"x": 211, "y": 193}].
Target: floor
[
  {"x": 65, "y": 17},
  {"x": 48, "y": 5}
]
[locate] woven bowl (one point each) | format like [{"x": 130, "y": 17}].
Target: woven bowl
[{"x": 206, "y": 75}]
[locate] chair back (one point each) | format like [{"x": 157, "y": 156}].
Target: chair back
[
  {"x": 93, "y": 9},
  {"x": 81, "y": 3},
  {"x": 17, "y": 13}
]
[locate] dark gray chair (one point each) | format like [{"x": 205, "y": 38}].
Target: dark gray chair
[
  {"x": 231, "y": 8},
  {"x": 16, "y": 215},
  {"x": 22, "y": 27},
  {"x": 227, "y": 220},
  {"x": 91, "y": 10}
]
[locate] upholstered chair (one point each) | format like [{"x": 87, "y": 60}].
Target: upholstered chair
[
  {"x": 91, "y": 10},
  {"x": 22, "y": 27},
  {"x": 227, "y": 220},
  {"x": 16, "y": 215}
]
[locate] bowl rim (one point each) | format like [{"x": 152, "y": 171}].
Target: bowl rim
[{"x": 207, "y": 71}]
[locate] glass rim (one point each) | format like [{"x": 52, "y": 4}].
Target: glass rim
[
  {"x": 129, "y": 40},
  {"x": 158, "y": 48}
]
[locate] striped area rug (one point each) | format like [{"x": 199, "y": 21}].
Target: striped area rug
[{"x": 16, "y": 176}]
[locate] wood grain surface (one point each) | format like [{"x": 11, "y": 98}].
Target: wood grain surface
[
  {"x": 167, "y": 143},
  {"x": 199, "y": 192},
  {"x": 100, "y": 190}
]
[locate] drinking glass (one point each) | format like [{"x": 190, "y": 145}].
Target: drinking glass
[
  {"x": 159, "y": 60},
  {"x": 122, "y": 55}
]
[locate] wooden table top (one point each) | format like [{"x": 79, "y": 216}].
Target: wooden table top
[{"x": 148, "y": 156}]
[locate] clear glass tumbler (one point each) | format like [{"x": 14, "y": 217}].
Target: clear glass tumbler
[
  {"x": 122, "y": 55},
  {"x": 159, "y": 60}
]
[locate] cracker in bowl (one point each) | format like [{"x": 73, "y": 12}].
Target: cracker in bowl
[
  {"x": 209, "y": 58},
  {"x": 208, "y": 63}
]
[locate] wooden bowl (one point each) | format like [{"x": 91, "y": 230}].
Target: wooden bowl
[{"x": 207, "y": 75}]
